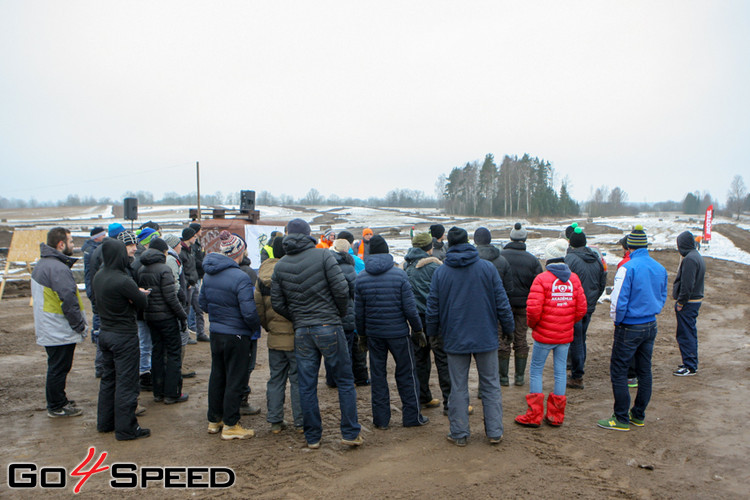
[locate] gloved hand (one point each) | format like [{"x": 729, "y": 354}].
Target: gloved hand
[
  {"x": 183, "y": 325},
  {"x": 508, "y": 337},
  {"x": 362, "y": 343},
  {"x": 419, "y": 338},
  {"x": 95, "y": 337}
]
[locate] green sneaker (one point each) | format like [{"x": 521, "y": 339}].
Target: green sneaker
[
  {"x": 638, "y": 422},
  {"x": 613, "y": 424}
]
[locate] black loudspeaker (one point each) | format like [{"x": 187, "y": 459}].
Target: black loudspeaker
[
  {"x": 247, "y": 201},
  {"x": 131, "y": 208}
]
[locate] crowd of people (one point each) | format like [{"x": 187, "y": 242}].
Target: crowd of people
[{"x": 335, "y": 299}]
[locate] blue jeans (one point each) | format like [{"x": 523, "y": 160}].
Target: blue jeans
[
  {"x": 144, "y": 343},
  {"x": 489, "y": 386},
  {"x": 632, "y": 341},
  {"x": 328, "y": 341},
  {"x": 687, "y": 334},
  {"x": 196, "y": 321},
  {"x": 283, "y": 366},
  {"x": 538, "y": 358},
  {"x": 406, "y": 380},
  {"x": 578, "y": 348}
]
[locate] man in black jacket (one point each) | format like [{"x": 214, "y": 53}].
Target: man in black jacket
[
  {"x": 196, "y": 320},
  {"x": 310, "y": 290},
  {"x": 525, "y": 268},
  {"x": 118, "y": 299},
  {"x": 589, "y": 268},
  {"x": 688, "y": 292}
]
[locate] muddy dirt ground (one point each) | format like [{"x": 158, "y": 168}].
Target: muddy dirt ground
[{"x": 695, "y": 444}]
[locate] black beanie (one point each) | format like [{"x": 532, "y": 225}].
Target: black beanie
[
  {"x": 187, "y": 233},
  {"x": 482, "y": 236},
  {"x": 437, "y": 230},
  {"x": 278, "y": 247},
  {"x": 195, "y": 226},
  {"x": 159, "y": 244},
  {"x": 569, "y": 230},
  {"x": 298, "y": 226},
  {"x": 378, "y": 245},
  {"x": 96, "y": 231},
  {"x": 346, "y": 235},
  {"x": 577, "y": 238},
  {"x": 457, "y": 236}
]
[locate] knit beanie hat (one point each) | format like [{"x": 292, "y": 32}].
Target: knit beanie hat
[
  {"x": 97, "y": 231},
  {"x": 378, "y": 245},
  {"x": 278, "y": 246},
  {"x": 577, "y": 238},
  {"x": 146, "y": 234},
  {"x": 457, "y": 236},
  {"x": 623, "y": 242},
  {"x": 556, "y": 250},
  {"x": 437, "y": 230},
  {"x": 367, "y": 231},
  {"x": 482, "y": 236},
  {"x": 518, "y": 233},
  {"x": 187, "y": 233},
  {"x": 329, "y": 235},
  {"x": 346, "y": 235},
  {"x": 195, "y": 226},
  {"x": 637, "y": 237},
  {"x": 171, "y": 239},
  {"x": 128, "y": 238},
  {"x": 569, "y": 230},
  {"x": 298, "y": 226},
  {"x": 422, "y": 240},
  {"x": 230, "y": 245},
  {"x": 114, "y": 229},
  {"x": 158, "y": 244},
  {"x": 341, "y": 245}
]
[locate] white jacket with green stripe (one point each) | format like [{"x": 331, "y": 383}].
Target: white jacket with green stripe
[{"x": 58, "y": 307}]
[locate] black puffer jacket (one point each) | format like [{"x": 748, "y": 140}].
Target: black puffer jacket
[
  {"x": 155, "y": 274},
  {"x": 346, "y": 263},
  {"x": 188, "y": 265},
  {"x": 492, "y": 254},
  {"x": 590, "y": 270},
  {"x": 524, "y": 268},
  {"x": 309, "y": 288},
  {"x": 688, "y": 285},
  {"x": 117, "y": 295}
]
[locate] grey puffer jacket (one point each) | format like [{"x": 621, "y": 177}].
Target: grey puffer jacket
[{"x": 309, "y": 288}]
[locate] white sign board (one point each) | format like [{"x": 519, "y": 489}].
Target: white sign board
[{"x": 257, "y": 237}]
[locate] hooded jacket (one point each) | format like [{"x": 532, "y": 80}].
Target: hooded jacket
[
  {"x": 309, "y": 288},
  {"x": 88, "y": 250},
  {"x": 492, "y": 254},
  {"x": 466, "y": 302},
  {"x": 58, "y": 307},
  {"x": 524, "y": 268},
  {"x": 640, "y": 290},
  {"x": 118, "y": 298},
  {"x": 155, "y": 274},
  {"x": 280, "y": 330},
  {"x": 227, "y": 297},
  {"x": 588, "y": 266},
  {"x": 688, "y": 285},
  {"x": 419, "y": 267},
  {"x": 383, "y": 300},
  {"x": 439, "y": 249},
  {"x": 555, "y": 304},
  {"x": 346, "y": 263}
]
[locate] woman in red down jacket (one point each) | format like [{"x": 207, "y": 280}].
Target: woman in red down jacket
[{"x": 556, "y": 302}]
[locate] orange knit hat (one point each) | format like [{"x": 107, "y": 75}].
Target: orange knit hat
[{"x": 367, "y": 231}]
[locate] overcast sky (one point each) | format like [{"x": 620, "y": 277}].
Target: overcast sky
[{"x": 354, "y": 98}]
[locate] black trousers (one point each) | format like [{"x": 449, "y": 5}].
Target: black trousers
[
  {"x": 424, "y": 367},
  {"x": 119, "y": 386},
  {"x": 359, "y": 361},
  {"x": 166, "y": 358},
  {"x": 59, "y": 361},
  {"x": 230, "y": 356},
  {"x": 252, "y": 358}
]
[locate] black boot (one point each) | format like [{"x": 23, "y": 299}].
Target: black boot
[
  {"x": 520, "y": 369},
  {"x": 504, "y": 364},
  {"x": 146, "y": 382}
]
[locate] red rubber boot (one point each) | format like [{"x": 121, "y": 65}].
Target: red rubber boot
[{"x": 533, "y": 416}]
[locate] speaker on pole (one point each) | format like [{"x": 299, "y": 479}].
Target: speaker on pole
[
  {"x": 131, "y": 208},
  {"x": 247, "y": 201}
]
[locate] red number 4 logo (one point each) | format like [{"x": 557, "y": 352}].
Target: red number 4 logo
[{"x": 85, "y": 475}]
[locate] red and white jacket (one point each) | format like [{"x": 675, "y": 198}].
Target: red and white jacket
[{"x": 556, "y": 302}]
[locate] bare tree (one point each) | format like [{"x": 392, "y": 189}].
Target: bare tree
[{"x": 736, "y": 195}]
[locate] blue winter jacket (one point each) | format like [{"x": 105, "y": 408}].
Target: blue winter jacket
[
  {"x": 227, "y": 297},
  {"x": 383, "y": 300},
  {"x": 466, "y": 301},
  {"x": 640, "y": 290}
]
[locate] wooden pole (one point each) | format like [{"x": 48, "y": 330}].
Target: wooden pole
[{"x": 198, "y": 182}]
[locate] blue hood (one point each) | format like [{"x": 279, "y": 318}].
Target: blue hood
[
  {"x": 378, "y": 263},
  {"x": 214, "y": 263},
  {"x": 560, "y": 270},
  {"x": 461, "y": 255}
]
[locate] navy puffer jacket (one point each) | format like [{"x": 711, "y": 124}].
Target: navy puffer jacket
[
  {"x": 384, "y": 303},
  {"x": 227, "y": 297},
  {"x": 466, "y": 302}
]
